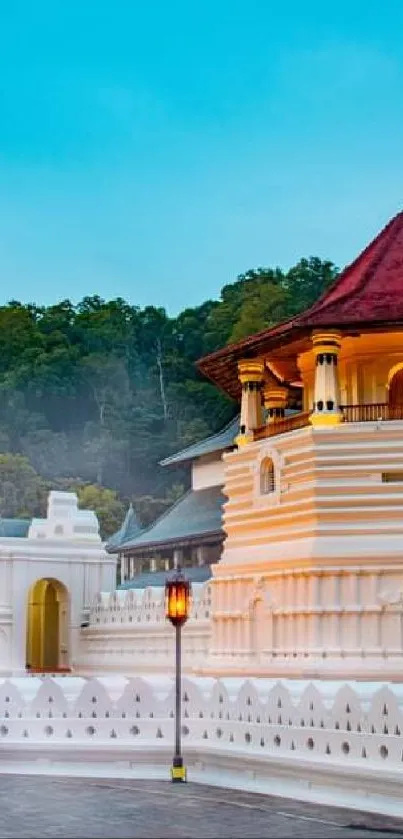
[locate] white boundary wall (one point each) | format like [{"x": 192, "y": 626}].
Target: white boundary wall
[{"x": 330, "y": 742}]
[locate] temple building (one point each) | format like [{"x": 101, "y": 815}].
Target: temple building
[
  {"x": 310, "y": 582},
  {"x": 190, "y": 533}
]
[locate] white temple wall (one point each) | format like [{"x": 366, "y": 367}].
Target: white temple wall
[
  {"x": 311, "y": 578},
  {"x": 208, "y": 471},
  {"x": 73, "y": 566},
  {"x": 74, "y": 556},
  {"x": 129, "y": 634}
]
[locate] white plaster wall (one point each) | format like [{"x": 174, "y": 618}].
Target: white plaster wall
[
  {"x": 129, "y": 634},
  {"x": 311, "y": 577},
  {"x": 207, "y": 472}
]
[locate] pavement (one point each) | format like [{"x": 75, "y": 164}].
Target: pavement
[{"x": 44, "y": 806}]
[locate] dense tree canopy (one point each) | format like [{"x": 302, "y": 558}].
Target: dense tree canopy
[{"x": 95, "y": 395}]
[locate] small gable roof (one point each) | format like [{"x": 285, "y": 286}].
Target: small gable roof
[
  {"x": 130, "y": 528},
  {"x": 157, "y": 578},
  {"x": 197, "y": 514}
]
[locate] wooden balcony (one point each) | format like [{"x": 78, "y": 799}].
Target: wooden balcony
[
  {"x": 282, "y": 426},
  {"x": 374, "y": 412}
]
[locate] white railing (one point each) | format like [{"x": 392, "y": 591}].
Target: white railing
[{"x": 128, "y": 633}]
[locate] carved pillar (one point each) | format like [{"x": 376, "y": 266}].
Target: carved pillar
[
  {"x": 275, "y": 402},
  {"x": 326, "y": 409},
  {"x": 200, "y": 555},
  {"x": 178, "y": 557},
  {"x": 251, "y": 377}
]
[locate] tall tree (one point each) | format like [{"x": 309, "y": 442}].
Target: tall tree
[
  {"x": 22, "y": 490},
  {"x": 102, "y": 391}
]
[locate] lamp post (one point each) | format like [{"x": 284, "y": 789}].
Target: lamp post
[{"x": 177, "y": 606}]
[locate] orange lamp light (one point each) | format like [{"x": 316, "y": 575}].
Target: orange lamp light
[{"x": 178, "y": 598}]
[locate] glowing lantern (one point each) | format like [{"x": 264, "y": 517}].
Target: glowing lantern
[{"x": 178, "y": 598}]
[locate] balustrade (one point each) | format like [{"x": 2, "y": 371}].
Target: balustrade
[
  {"x": 370, "y": 412},
  {"x": 290, "y": 423}
]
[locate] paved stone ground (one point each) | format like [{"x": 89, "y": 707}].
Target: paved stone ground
[{"x": 38, "y": 806}]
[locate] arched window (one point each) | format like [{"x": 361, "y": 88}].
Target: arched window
[{"x": 267, "y": 479}]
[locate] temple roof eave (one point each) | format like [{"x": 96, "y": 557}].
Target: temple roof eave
[
  {"x": 194, "y": 517},
  {"x": 221, "y": 367},
  {"x": 152, "y": 547},
  {"x": 197, "y": 576}
]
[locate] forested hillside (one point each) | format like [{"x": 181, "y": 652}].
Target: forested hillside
[{"x": 93, "y": 396}]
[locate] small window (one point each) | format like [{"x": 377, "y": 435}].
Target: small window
[{"x": 267, "y": 480}]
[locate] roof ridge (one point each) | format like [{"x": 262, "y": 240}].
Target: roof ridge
[
  {"x": 197, "y": 442},
  {"x": 130, "y": 521}
]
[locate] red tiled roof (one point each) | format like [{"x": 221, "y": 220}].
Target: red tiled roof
[{"x": 369, "y": 292}]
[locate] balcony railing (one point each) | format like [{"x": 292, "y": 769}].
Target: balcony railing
[
  {"x": 372, "y": 413},
  {"x": 282, "y": 426}
]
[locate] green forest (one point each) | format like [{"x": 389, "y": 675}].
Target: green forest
[{"x": 94, "y": 395}]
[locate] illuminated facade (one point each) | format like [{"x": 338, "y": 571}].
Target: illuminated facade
[{"x": 311, "y": 579}]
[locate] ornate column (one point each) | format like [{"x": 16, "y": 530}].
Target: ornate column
[
  {"x": 178, "y": 557},
  {"x": 326, "y": 409},
  {"x": 200, "y": 554},
  {"x": 251, "y": 374},
  {"x": 275, "y": 402}
]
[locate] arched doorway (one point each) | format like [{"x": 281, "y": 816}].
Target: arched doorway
[
  {"x": 395, "y": 392},
  {"x": 47, "y": 626}
]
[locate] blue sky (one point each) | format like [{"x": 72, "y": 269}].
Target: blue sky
[{"x": 154, "y": 150}]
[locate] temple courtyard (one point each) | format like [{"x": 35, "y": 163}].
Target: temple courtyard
[{"x": 40, "y": 806}]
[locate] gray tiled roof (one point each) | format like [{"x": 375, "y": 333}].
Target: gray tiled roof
[
  {"x": 130, "y": 528},
  {"x": 157, "y": 578},
  {"x": 216, "y": 443},
  {"x": 197, "y": 513},
  {"x": 14, "y": 528}
]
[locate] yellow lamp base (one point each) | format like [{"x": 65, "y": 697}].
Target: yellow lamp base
[{"x": 178, "y": 774}]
